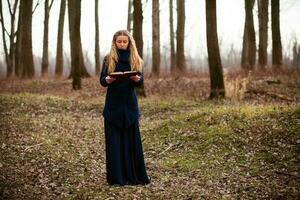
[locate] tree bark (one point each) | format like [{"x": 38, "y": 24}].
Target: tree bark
[
  {"x": 74, "y": 7},
  {"x": 26, "y": 56},
  {"x": 138, "y": 36},
  {"x": 97, "y": 48},
  {"x": 172, "y": 46},
  {"x": 214, "y": 59},
  {"x": 263, "y": 33},
  {"x": 60, "y": 40},
  {"x": 155, "y": 38},
  {"x": 180, "y": 58},
  {"x": 249, "y": 46},
  {"x": 276, "y": 38},
  {"x": 45, "y": 60}
]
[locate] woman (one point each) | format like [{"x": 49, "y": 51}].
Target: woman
[{"x": 124, "y": 153}]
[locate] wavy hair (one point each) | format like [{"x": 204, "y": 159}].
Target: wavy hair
[{"x": 135, "y": 60}]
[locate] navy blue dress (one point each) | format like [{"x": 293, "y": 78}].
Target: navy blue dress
[{"x": 124, "y": 152}]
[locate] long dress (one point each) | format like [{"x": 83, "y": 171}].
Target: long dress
[{"x": 124, "y": 152}]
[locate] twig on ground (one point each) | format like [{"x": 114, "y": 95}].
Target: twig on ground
[{"x": 32, "y": 146}]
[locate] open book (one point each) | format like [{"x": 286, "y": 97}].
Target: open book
[{"x": 123, "y": 75}]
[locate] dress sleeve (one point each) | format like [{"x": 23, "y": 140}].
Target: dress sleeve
[
  {"x": 104, "y": 73},
  {"x": 140, "y": 82}
]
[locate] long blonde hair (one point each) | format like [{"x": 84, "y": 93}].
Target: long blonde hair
[{"x": 135, "y": 60}]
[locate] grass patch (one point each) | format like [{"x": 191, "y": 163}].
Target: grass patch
[{"x": 53, "y": 147}]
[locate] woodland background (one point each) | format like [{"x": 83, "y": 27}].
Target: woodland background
[{"x": 209, "y": 132}]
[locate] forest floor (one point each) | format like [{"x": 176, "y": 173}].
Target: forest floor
[{"x": 243, "y": 147}]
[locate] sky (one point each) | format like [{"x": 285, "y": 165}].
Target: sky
[{"x": 113, "y": 17}]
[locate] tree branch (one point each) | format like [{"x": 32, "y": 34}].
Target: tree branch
[
  {"x": 9, "y": 7},
  {"x": 50, "y": 5},
  {"x": 36, "y": 5},
  {"x": 15, "y": 7}
]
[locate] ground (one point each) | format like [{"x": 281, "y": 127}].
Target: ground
[{"x": 244, "y": 147}]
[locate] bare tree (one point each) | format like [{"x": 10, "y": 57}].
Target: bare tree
[
  {"x": 214, "y": 59},
  {"x": 138, "y": 35},
  {"x": 129, "y": 16},
  {"x": 296, "y": 55},
  {"x": 9, "y": 55},
  {"x": 155, "y": 38},
  {"x": 172, "y": 46},
  {"x": 74, "y": 7},
  {"x": 249, "y": 46},
  {"x": 97, "y": 48},
  {"x": 18, "y": 66},
  {"x": 276, "y": 37},
  {"x": 180, "y": 58},
  {"x": 45, "y": 61},
  {"x": 74, "y": 19},
  {"x": 138, "y": 25},
  {"x": 26, "y": 55},
  {"x": 263, "y": 32},
  {"x": 60, "y": 40},
  {"x": 8, "y": 64}
]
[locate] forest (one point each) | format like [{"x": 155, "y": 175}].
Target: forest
[{"x": 227, "y": 129}]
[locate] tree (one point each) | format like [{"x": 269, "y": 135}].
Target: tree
[
  {"x": 155, "y": 38},
  {"x": 25, "y": 29},
  {"x": 172, "y": 46},
  {"x": 18, "y": 66},
  {"x": 129, "y": 16},
  {"x": 9, "y": 55},
  {"x": 276, "y": 38},
  {"x": 45, "y": 61},
  {"x": 97, "y": 48},
  {"x": 214, "y": 59},
  {"x": 60, "y": 40},
  {"x": 180, "y": 59},
  {"x": 138, "y": 35},
  {"x": 263, "y": 33},
  {"x": 249, "y": 46},
  {"x": 74, "y": 7}
]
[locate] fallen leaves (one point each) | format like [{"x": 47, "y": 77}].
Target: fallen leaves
[{"x": 52, "y": 145}]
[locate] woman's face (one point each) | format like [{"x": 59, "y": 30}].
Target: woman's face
[{"x": 122, "y": 42}]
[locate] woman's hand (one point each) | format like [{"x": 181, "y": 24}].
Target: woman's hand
[
  {"x": 109, "y": 79},
  {"x": 135, "y": 78}
]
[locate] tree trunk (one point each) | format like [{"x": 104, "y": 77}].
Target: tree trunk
[
  {"x": 97, "y": 48},
  {"x": 45, "y": 60},
  {"x": 138, "y": 36},
  {"x": 129, "y": 16},
  {"x": 180, "y": 58},
  {"x": 155, "y": 38},
  {"x": 73, "y": 23},
  {"x": 249, "y": 46},
  {"x": 8, "y": 63},
  {"x": 214, "y": 59},
  {"x": 60, "y": 40},
  {"x": 18, "y": 64},
  {"x": 263, "y": 33},
  {"x": 26, "y": 56},
  {"x": 276, "y": 38},
  {"x": 74, "y": 7},
  {"x": 12, "y": 51},
  {"x": 138, "y": 25},
  {"x": 172, "y": 46}
]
